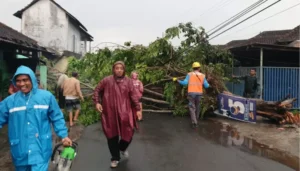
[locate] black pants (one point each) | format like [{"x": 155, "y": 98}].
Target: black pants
[
  {"x": 61, "y": 99},
  {"x": 115, "y": 146}
]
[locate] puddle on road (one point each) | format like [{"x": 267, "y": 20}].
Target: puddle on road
[{"x": 229, "y": 137}]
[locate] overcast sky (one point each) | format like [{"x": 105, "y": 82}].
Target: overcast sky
[{"x": 141, "y": 21}]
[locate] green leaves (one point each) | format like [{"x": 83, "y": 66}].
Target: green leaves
[
  {"x": 127, "y": 43},
  {"x": 169, "y": 92},
  {"x": 88, "y": 114},
  {"x": 172, "y": 32},
  {"x": 160, "y": 61}
]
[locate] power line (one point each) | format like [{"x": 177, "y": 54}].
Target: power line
[
  {"x": 221, "y": 6},
  {"x": 245, "y": 19},
  {"x": 212, "y": 7},
  {"x": 265, "y": 18},
  {"x": 216, "y": 4},
  {"x": 234, "y": 25},
  {"x": 186, "y": 11},
  {"x": 239, "y": 15},
  {"x": 224, "y": 4},
  {"x": 220, "y": 2}
]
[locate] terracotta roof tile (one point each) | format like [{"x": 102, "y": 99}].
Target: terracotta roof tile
[
  {"x": 291, "y": 36},
  {"x": 267, "y": 37}
]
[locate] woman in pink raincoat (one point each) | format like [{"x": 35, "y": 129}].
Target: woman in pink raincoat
[{"x": 138, "y": 85}]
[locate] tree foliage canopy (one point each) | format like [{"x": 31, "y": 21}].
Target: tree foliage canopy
[{"x": 158, "y": 62}]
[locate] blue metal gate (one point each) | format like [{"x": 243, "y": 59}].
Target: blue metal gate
[{"x": 278, "y": 82}]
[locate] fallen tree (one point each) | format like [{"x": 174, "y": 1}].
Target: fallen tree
[
  {"x": 159, "y": 62},
  {"x": 278, "y": 111}
]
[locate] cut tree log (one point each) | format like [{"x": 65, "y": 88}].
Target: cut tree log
[
  {"x": 291, "y": 117},
  {"x": 269, "y": 115},
  {"x": 157, "y": 111},
  {"x": 275, "y": 110},
  {"x": 287, "y": 102},
  {"x": 274, "y": 107},
  {"x": 155, "y": 100},
  {"x": 146, "y": 106}
]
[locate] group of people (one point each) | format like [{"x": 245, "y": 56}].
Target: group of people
[
  {"x": 30, "y": 112},
  {"x": 68, "y": 92}
]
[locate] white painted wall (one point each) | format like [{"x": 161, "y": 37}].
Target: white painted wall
[
  {"x": 47, "y": 24},
  {"x": 51, "y": 27},
  {"x": 73, "y": 32}
]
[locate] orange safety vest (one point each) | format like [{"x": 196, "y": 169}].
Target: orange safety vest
[{"x": 196, "y": 82}]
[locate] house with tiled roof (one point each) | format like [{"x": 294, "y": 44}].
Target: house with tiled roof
[
  {"x": 233, "y": 43},
  {"x": 275, "y": 56},
  {"x": 292, "y": 38},
  {"x": 274, "y": 43},
  {"x": 273, "y": 37},
  {"x": 52, "y": 26},
  {"x": 17, "y": 49}
]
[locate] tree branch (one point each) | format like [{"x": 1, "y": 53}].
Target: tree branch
[
  {"x": 87, "y": 85},
  {"x": 163, "y": 80},
  {"x": 154, "y": 93},
  {"x": 152, "y": 106},
  {"x": 157, "y": 111},
  {"x": 155, "y": 100}
]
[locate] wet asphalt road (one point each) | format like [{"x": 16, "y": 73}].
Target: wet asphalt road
[{"x": 165, "y": 143}]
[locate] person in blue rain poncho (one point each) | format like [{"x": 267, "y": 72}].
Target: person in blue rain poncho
[{"x": 29, "y": 114}]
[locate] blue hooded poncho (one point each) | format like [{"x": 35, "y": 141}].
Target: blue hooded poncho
[{"x": 29, "y": 117}]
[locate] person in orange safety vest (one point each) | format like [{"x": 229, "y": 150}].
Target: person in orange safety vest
[{"x": 195, "y": 81}]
